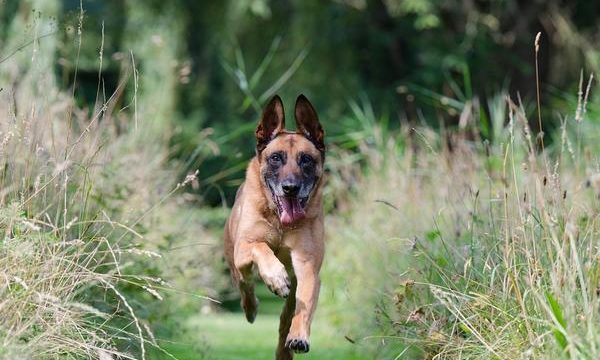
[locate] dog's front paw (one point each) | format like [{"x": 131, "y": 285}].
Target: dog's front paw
[
  {"x": 297, "y": 345},
  {"x": 277, "y": 280}
]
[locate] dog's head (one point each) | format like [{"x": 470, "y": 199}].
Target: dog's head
[{"x": 291, "y": 163}]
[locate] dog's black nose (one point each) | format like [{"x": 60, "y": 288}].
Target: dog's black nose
[{"x": 290, "y": 189}]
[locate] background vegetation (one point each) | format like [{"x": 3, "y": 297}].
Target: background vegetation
[{"x": 462, "y": 192}]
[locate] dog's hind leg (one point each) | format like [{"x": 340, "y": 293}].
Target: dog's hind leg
[
  {"x": 244, "y": 280},
  {"x": 285, "y": 321},
  {"x": 245, "y": 283},
  {"x": 249, "y": 301}
]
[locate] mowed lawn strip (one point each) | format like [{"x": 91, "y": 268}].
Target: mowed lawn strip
[{"x": 230, "y": 337}]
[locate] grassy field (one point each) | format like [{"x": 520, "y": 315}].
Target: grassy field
[
  {"x": 226, "y": 335},
  {"x": 229, "y": 337},
  {"x": 466, "y": 242}
]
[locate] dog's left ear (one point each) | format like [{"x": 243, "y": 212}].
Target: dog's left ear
[{"x": 307, "y": 123}]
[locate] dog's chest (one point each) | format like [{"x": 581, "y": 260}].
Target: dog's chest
[{"x": 274, "y": 237}]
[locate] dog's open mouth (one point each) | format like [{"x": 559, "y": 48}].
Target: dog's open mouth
[{"x": 291, "y": 209}]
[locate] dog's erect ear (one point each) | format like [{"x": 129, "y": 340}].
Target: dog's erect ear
[
  {"x": 271, "y": 123},
  {"x": 307, "y": 122}
]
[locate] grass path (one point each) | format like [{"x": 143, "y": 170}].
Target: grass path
[
  {"x": 230, "y": 337},
  {"x": 227, "y": 336}
]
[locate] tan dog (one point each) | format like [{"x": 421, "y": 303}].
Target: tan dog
[{"x": 276, "y": 224}]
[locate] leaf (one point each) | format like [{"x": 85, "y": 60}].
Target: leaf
[
  {"x": 464, "y": 328},
  {"x": 284, "y": 77},
  {"x": 556, "y": 310},
  {"x": 442, "y": 262},
  {"x": 558, "y": 315},
  {"x": 433, "y": 235}
]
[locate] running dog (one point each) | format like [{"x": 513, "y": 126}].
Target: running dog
[{"x": 276, "y": 223}]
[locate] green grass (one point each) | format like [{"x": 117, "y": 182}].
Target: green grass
[
  {"x": 478, "y": 250},
  {"x": 228, "y": 336},
  {"x": 439, "y": 245}
]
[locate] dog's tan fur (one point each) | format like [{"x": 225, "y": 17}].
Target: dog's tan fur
[{"x": 288, "y": 257}]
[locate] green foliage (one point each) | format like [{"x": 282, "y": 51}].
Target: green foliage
[
  {"x": 558, "y": 316},
  {"x": 91, "y": 212},
  {"x": 211, "y": 65},
  {"x": 451, "y": 233},
  {"x": 471, "y": 250}
]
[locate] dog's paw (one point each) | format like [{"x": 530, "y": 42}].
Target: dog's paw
[
  {"x": 250, "y": 306},
  {"x": 277, "y": 280},
  {"x": 297, "y": 345},
  {"x": 250, "y": 315}
]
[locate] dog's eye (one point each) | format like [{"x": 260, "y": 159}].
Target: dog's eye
[
  {"x": 306, "y": 160},
  {"x": 275, "y": 158}
]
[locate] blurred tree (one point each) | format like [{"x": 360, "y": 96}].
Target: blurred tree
[
  {"x": 27, "y": 42},
  {"x": 88, "y": 32},
  {"x": 7, "y": 14},
  {"x": 210, "y": 64}
]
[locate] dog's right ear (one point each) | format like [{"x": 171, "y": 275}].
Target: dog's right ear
[{"x": 271, "y": 123}]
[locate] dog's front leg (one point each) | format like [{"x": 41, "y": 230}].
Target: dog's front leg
[
  {"x": 270, "y": 269},
  {"x": 306, "y": 267}
]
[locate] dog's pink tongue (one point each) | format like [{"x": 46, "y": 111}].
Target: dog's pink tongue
[{"x": 291, "y": 211}]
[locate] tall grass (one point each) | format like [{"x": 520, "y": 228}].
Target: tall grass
[
  {"x": 91, "y": 218},
  {"x": 460, "y": 248},
  {"x": 58, "y": 236}
]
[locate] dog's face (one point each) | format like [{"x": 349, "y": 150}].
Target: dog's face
[{"x": 291, "y": 163}]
